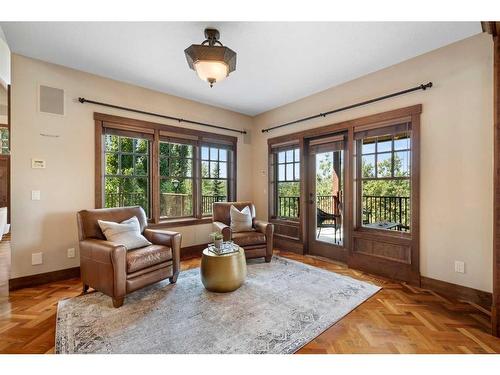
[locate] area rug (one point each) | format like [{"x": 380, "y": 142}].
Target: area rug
[{"x": 281, "y": 307}]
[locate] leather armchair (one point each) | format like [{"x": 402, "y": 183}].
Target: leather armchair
[
  {"x": 256, "y": 243},
  {"x": 109, "y": 268}
]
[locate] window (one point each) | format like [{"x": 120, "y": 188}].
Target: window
[
  {"x": 4, "y": 141},
  {"x": 126, "y": 177},
  {"x": 174, "y": 174},
  {"x": 176, "y": 180},
  {"x": 385, "y": 178},
  {"x": 214, "y": 174},
  {"x": 287, "y": 172}
]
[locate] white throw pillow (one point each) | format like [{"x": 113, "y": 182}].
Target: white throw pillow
[
  {"x": 126, "y": 233},
  {"x": 241, "y": 221}
]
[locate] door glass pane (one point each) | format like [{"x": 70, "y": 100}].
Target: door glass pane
[{"x": 329, "y": 183}]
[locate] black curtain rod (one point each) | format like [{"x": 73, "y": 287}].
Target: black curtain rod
[
  {"x": 83, "y": 100},
  {"x": 421, "y": 87}
]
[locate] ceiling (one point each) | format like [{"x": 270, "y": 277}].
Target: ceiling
[{"x": 277, "y": 62}]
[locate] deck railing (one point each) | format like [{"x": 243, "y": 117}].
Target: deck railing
[
  {"x": 126, "y": 199},
  {"x": 208, "y": 200},
  {"x": 391, "y": 209},
  {"x": 171, "y": 204},
  {"x": 375, "y": 208}
]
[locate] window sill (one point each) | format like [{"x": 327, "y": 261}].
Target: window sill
[
  {"x": 285, "y": 221},
  {"x": 374, "y": 233},
  {"x": 184, "y": 222}
]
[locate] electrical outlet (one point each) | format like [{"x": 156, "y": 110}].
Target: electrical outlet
[
  {"x": 36, "y": 258},
  {"x": 459, "y": 266},
  {"x": 71, "y": 252},
  {"x": 35, "y": 195}
]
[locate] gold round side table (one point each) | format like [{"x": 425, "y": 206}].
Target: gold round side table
[{"x": 223, "y": 273}]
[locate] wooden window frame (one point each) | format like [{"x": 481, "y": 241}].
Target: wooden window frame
[
  {"x": 275, "y": 174},
  {"x": 358, "y": 179},
  {"x": 119, "y": 153},
  {"x": 160, "y": 132},
  {"x": 192, "y": 178},
  {"x": 229, "y": 179},
  {"x": 409, "y": 270}
]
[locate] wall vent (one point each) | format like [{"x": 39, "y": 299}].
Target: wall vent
[
  {"x": 51, "y": 100},
  {"x": 247, "y": 139}
]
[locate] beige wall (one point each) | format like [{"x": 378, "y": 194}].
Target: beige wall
[
  {"x": 67, "y": 184},
  {"x": 456, "y": 158},
  {"x": 457, "y": 150}
]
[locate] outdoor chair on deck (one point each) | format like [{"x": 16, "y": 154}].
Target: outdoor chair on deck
[{"x": 327, "y": 220}]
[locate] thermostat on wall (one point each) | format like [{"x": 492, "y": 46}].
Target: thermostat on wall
[{"x": 37, "y": 163}]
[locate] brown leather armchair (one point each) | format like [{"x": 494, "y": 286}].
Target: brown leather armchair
[
  {"x": 256, "y": 243},
  {"x": 109, "y": 268}
]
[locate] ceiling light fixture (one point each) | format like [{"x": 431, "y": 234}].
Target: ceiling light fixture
[{"x": 211, "y": 60}]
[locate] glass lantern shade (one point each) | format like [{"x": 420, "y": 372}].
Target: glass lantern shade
[{"x": 211, "y": 71}]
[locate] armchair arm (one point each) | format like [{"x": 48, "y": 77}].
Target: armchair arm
[
  {"x": 226, "y": 231},
  {"x": 103, "y": 265},
  {"x": 167, "y": 238},
  {"x": 263, "y": 227},
  {"x": 267, "y": 229}
]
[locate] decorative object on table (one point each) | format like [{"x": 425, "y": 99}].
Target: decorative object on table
[
  {"x": 217, "y": 238},
  {"x": 223, "y": 273},
  {"x": 281, "y": 307},
  {"x": 226, "y": 247}
]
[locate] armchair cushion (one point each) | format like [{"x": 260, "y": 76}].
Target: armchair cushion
[
  {"x": 249, "y": 238},
  {"x": 126, "y": 233},
  {"x": 241, "y": 221},
  {"x": 147, "y": 256}
]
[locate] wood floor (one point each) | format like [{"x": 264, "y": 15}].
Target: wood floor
[{"x": 398, "y": 319}]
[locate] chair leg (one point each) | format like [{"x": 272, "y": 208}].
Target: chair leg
[
  {"x": 173, "y": 279},
  {"x": 85, "y": 288},
  {"x": 268, "y": 258},
  {"x": 117, "y": 302}
]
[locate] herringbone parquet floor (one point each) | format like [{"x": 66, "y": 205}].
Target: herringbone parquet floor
[{"x": 398, "y": 319}]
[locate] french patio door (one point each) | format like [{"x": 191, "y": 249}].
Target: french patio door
[{"x": 327, "y": 196}]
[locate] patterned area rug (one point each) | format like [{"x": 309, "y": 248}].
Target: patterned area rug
[{"x": 281, "y": 307}]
